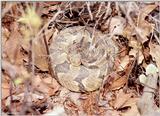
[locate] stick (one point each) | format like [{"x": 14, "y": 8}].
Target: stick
[{"x": 89, "y": 10}]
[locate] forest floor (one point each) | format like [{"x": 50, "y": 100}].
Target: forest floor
[{"x": 28, "y": 83}]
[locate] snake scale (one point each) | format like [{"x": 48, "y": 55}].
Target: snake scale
[{"x": 80, "y": 59}]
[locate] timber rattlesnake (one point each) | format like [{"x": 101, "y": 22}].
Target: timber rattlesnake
[{"x": 80, "y": 62}]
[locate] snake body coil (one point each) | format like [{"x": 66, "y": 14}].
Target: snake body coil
[{"x": 81, "y": 60}]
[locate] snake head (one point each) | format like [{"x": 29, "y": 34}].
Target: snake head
[
  {"x": 75, "y": 59},
  {"x": 74, "y": 55}
]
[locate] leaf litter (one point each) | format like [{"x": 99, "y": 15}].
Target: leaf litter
[{"x": 29, "y": 86}]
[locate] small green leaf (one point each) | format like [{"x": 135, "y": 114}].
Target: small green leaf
[
  {"x": 18, "y": 81},
  {"x": 142, "y": 79},
  {"x": 151, "y": 69}
]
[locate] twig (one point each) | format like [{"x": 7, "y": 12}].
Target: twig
[
  {"x": 99, "y": 9},
  {"x": 107, "y": 11},
  {"x": 129, "y": 72},
  {"x": 93, "y": 33},
  {"x": 131, "y": 22},
  {"x": 46, "y": 25},
  {"x": 156, "y": 20},
  {"x": 81, "y": 10},
  {"x": 49, "y": 59},
  {"x": 159, "y": 70},
  {"x": 10, "y": 92},
  {"x": 117, "y": 8},
  {"x": 61, "y": 21},
  {"x": 7, "y": 8},
  {"x": 70, "y": 8},
  {"x": 159, "y": 89},
  {"x": 89, "y": 10}
]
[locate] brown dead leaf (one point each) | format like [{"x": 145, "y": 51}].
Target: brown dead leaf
[
  {"x": 154, "y": 52},
  {"x": 12, "y": 46},
  {"x": 90, "y": 105},
  {"x": 123, "y": 52},
  {"x": 5, "y": 36},
  {"x": 118, "y": 83},
  {"x": 123, "y": 63},
  {"x": 134, "y": 43},
  {"x": 107, "y": 82},
  {"x": 39, "y": 49},
  {"x": 40, "y": 54},
  {"x": 121, "y": 99},
  {"x": 135, "y": 52},
  {"x": 145, "y": 11},
  {"x": 112, "y": 113},
  {"x": 10, "y": 69},
  {"x": 133, "y": 111},
  {"x": 5, "y": 86},
  {"x": 48, "y": 86},
  {"x": 17, "y": 106},
  {"x": 112, "y": 82},
  {"x": 51, "y": 82},
  {"x": 70, "y": 107},
  {"x": 5, "y": 90},
  {"x": 144, "y": 27},
  {"x": 128, "y": 31},
  {"x": 49, "y": 33},
  {"x": 131, "y": 101}
]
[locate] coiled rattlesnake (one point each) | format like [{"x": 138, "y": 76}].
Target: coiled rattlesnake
[{"x": 80, "y": 62}]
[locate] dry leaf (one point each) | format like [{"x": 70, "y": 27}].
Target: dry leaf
[
  {"x": 5, "y": 90},
  {"x": 145, "y": 28},
  {"x": 90, "y": 104},
  {"x": 10, "y": 69},
  {"x": 33, "y": 97},
  {"x": 12, "y": 46},
  {"x": 40, "y": 55},
  {"x": 5, "y": 36},
  {"x": 132, "y": 112},
  {"x": 145, "y": 11},
  {"x": 48, "y": 87},
  {"x": 134, "y": 43},
  {"x": 131, "y": 101},
  {"x": 70, "y": 107},
  {"x": 154, "y": 52},
  {"x": 135, "y": 52},
  {"x": 121, "y": 99},
  {"x": 118, "y": 83},
  {"x": 6, "y": 86},
  {"x": 51, "y": 82},
  {"x": 40, "y": 52},
  {"x": 123, "y": 63},
  {"x": 128, "y": 31}
]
